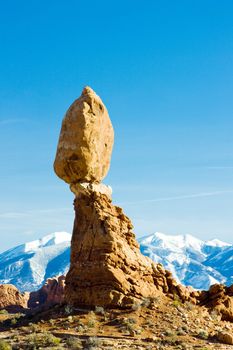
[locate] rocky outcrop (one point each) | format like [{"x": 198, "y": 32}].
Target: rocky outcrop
[
  {"x": 225, "y": 337},
  {"x": 220, "y": 299},
  {"x": 50, "y": 294},
  {"x": 86, "y": 140},
  {"x": 10, "y": 297},
  {"x": 107, "y": 267}
]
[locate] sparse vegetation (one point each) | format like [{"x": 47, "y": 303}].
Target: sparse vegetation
[
  {"x": 4, "y": 345},
  {"x": 176, "y": 302},
  {"x": 74, "y": 343},
  {"x": 203, "y": 334},
  {"x": 136, "y": 306},
  {"x": 91, "y": 320},
  {"x": 69, "y": 309},
  {"x": 4, "y": 312},
  {"x": 92, "y": 343},
  {"x": 99, "y": 310},
  {"x": 37, "y": 340}
]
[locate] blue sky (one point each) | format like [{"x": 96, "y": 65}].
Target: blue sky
[{"x": 163, "y": 69}]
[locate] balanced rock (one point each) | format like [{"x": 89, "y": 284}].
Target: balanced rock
[
  {"x": 86, "y": 140},
  {"x": 107, "y": 268}
]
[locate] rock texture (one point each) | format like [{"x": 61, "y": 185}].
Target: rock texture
[
  {"x": 86, "y": 140},
  {"x": 220, "y": 299},
  {"x": 225, "y": 337},
  {"x": 11, "y": 297},
  {"x": 50, "y": 294},
  {"x": 107, "y": 268}
]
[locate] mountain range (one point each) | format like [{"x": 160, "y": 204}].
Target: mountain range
[{"x": 192, "y": 261}]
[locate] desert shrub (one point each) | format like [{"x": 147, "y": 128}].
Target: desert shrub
[
  {"x": 149, "y": 323},
  {"x": 189, "y": 306},
  {"x": 176, "y": 302},
  {"x": 136, "y": 306},
  {"x": 146, "y": 302},
  {"x": 70, "y": 319},
  {"x": 52, "y": 321},
  {"x": 214, "y": 314},
  {"x": 169, "y": 333},
  {"x": 14, "y": 321},
  {"x": 203, "y": 334},
  {"x": 92, "y": 343},
  {"x": 181, "y": 331},
  {"x": 4, "y": 312},
  {"x": 68, "y": 309},
  {"x": 99, "y": 310},
  {"x": 91, "y": 320},
  {"x": 4, "y": 345},
  {"x": 74, "y": 343},
  {"x": 38, "y": 340},
  {"x": 128, "y": 324}
]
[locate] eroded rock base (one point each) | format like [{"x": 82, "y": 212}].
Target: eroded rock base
[{"x": 107, "y": 268}]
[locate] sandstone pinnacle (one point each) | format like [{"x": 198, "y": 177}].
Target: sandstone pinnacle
[{"x": 86, "y": 140}]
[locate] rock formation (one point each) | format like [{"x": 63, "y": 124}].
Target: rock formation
[
  {"x": 86, "y": 141},
  {"x": 10, "y": 297},
  {"x": 51, "y": 293},
  {"x": 220, "y": 299},
  {"x": 107, "y": 267}
]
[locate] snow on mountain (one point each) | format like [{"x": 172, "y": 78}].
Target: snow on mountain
[
  {"x": 29, "y": 265},
  {"x": 192, "y": 261}
]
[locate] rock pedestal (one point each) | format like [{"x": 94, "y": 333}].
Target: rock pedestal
[{"x": 107, "y": 267}]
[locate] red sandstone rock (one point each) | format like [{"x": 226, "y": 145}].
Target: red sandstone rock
[
  {"x": 51, "y": 293},
  {"x": 107, "y": 267},
  {"x": 11, "y": 297},
  {"x": 220, "y": 299}
]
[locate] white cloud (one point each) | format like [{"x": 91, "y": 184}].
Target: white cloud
[{"x": 188, "y": 196}]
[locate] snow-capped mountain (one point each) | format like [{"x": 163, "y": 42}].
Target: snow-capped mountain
[
  {"x": 29, "y": 265},
  {"x": 192, "y": 261}
]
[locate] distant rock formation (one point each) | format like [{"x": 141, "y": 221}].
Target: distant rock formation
[
  {"x": 220, "y": 299},
  {"x": 50, "y": 294},
  {"x": 10, "y": 297}
]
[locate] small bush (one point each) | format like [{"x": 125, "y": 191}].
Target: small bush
[
  {"x": 146, "y": 302},
  {"x": 99, "y": 310},
  {"x": 68, "y": 309},
  {"x": 135, "y": 306},
  {"x": 169, "y": 333},
  {"x": 14, "y": 321},
  {"x": 4, "y": 345},
  {"x": 203, "y": 334},
  {"x": 189, "y": 306},
  {"x": 92, "y": 343},
  {"x": 74, "y": 343},
  {"x": 176, "y": 302},
  {"x": 42, "y": 339},
  {"x": 70, "y": 319},
  {"x": 214, "y": 314},
  {"x": 91, "y": 320},
  {"x": 4, "y": 312}
]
